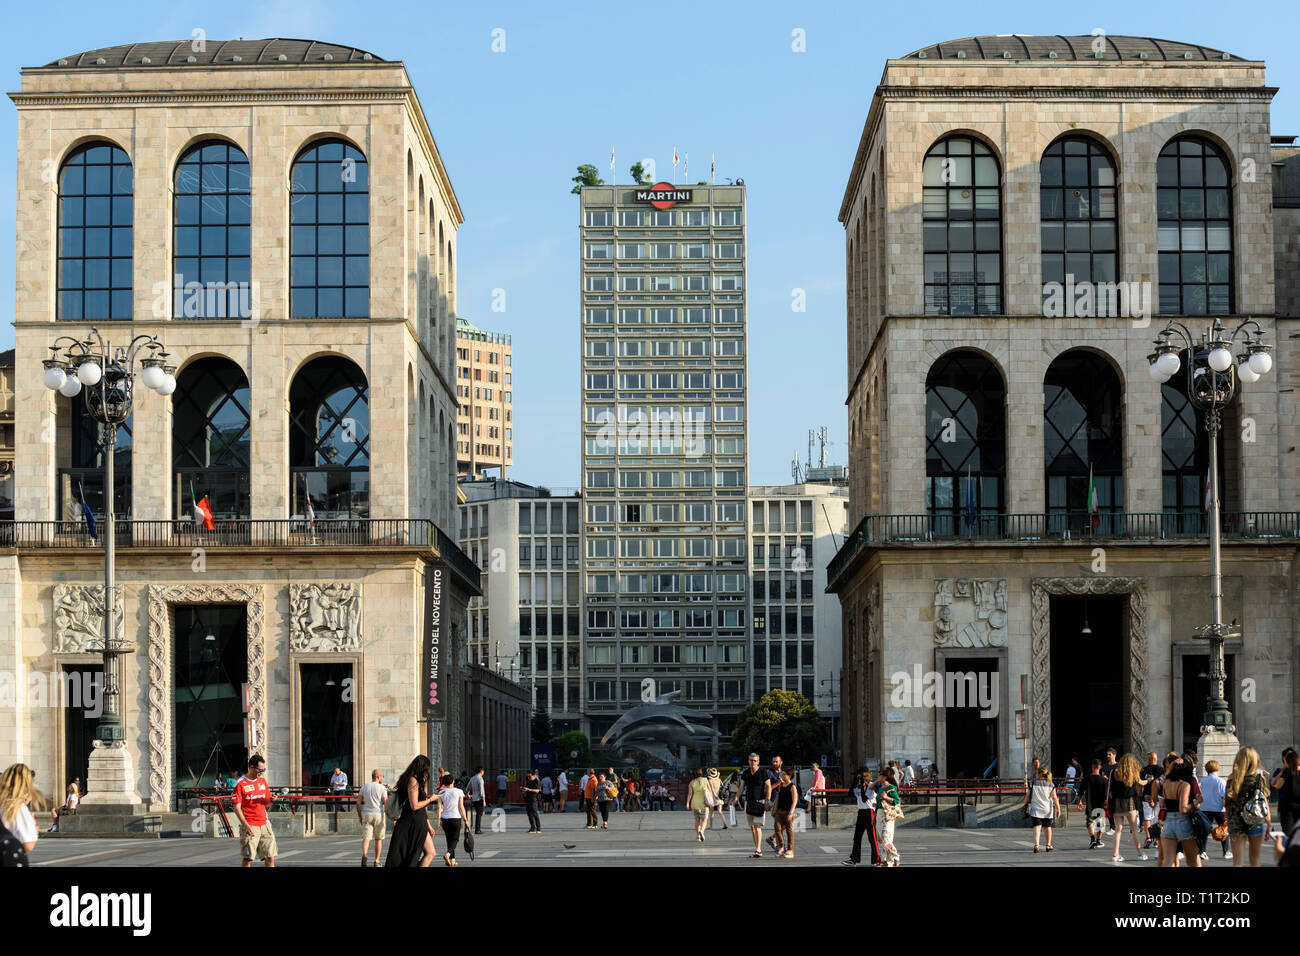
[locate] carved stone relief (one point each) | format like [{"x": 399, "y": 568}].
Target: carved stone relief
[
  {"x": 79, "y": 618},
  {"x": 970, "y": 612},
  {"x": 325, "y": 617}
]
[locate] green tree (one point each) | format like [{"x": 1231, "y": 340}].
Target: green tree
[
  {"x": 568, "y": 742},
  {"x": 639, "y": 174},
  {"x": 542, "y": 731},
  {"x": 780, "y": 722},
  {"x": 587, "y": 176}
]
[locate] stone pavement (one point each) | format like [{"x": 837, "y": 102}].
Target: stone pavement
[{"x": 660, "y": 839}]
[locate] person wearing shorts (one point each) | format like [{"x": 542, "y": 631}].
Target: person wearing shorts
[
  {"x": 370, "y": 811},
  {"x": 757, "y": 785},
  {"x": 251, "y": 798}
]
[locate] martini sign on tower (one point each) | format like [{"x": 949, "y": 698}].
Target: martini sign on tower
[{"x": 663, "y": 195}]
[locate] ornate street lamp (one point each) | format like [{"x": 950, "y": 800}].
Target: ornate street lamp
[
  {"x": 107, "y": 376},
  {"x": 1212, "y": 376}
]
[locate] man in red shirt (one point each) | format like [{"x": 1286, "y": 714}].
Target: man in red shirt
[{"x": 251, "y": 798}]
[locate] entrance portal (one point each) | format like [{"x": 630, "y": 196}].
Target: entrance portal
[
  {"x": 972, "y": 740},
  {"x": 326, "y": 720},
  {"x": 78, "y": 727},
  {"x": 1090, "y": 680},
  {"x": 210, "y": 659}
]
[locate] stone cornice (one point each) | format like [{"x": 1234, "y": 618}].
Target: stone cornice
[
  {"x": 1256, "y": 94},
  {"x": 195, "y": 97}
]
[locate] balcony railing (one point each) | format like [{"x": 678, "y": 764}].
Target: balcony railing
[
  {"x": 902, "y": 530},
  {"x": 246, "y": 533}
]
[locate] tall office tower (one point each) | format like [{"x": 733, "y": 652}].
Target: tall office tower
[
  {"x": 664, "y": 456},
  {"x": 485, "y": 393}
]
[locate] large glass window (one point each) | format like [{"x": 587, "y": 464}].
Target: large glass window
[
  {"x": 95, "y": 234},
  {"x": 210, "y": 438},
  {"x": 1077, "y": 197},
  {"x": 962, "y": 222},
  {"x": 83, "y": 479},
  {"x": 210, "y": 663},
  {"x": 1194, "y": 222},
  {"x": 965, "y": 442},
  {"x": 329, "y": 439},
  {"x": 211, "y": 233},
  {"x": 1083, "y": 440},
  {"x": 329, "y": 245},
  {"x": 1185, "y": 457}
]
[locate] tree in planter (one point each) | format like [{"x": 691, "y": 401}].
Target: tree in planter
[
  {"x": 780, "y": 722},
  {"x": 587, "y": 176},
  {"x": 639, "y": 174},
  {"x": 568, "y": 742},
  {"x": 541, "y": 730}
]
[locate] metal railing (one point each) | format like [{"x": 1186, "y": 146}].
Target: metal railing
[
  {"x": 895, "y": 530},
  {"x": 244, "y": 533}
]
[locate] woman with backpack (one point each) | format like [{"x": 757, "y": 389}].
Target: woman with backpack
[
  {"x": 1246, "y": 803},
  {"x": 412, "y": 840}
]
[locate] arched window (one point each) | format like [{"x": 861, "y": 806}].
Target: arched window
[
  {"x": 962, "y": 221},
  {"x": 329, "y": 439},
  {"x": 329, "y": 243},
  {"x": 1185, "y": 457},
  {"x": 83, "y": 479},
  {"x": 211, "y": 438},
  {"x": 95, "y": 220},
  {"x": 210, "y": 224},
  {"x": 965, "y": 443},
  {"x": 1194, "y": 220},
  {"x": 1083, "y": 442},
  {"x": 1078, "y": 208}
]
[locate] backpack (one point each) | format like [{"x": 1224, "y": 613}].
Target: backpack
[
  {"x": 11, "y": 851},
  {"x": 392, "y": 807},
  {"x": 1254, "y": 810}
]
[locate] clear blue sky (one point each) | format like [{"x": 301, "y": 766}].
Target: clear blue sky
[{"x": 708, "y": 78}]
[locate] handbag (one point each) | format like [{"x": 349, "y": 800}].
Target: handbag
[
  {"x": 894, "y": 812},
  {"x": 1220, "y": 833},
  {"x": 392, "y": 809},
  {"x": 468, "y": 840},
  {"x": 1200, "y": 825}
]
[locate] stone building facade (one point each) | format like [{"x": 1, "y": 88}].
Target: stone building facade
[
  {"x": 982, "y": 416},
  {"x": 296, "y": 188}
]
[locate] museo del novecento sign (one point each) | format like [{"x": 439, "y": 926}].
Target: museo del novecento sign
[
  {"x": 433, "y": 670},
  {"x": 663, "y": 195}
]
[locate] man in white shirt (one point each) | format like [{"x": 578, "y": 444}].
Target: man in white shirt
[
  {"x": 909, "y": 773},
  {"x": 477, "y": 799},
  {"x": 582, "y": 790},
  {"x": 339, "y": 781},
  {"x": 370, "y": 811},
  {"x": 562, "y": 789}
]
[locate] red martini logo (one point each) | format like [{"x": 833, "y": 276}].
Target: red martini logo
[{"x": 663, "y": 195}]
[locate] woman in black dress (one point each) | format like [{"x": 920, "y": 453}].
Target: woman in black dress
[{"x": 412, "y": 841}]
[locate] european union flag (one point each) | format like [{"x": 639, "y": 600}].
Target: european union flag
[{"x": 90, "y": 520}]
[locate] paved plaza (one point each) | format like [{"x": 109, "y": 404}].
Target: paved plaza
[{"x": 636, "y": 839}]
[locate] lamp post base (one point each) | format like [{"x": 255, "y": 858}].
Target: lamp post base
[
  {"x": 1220, "y": 745},
  {"x": 111, "y": 781}
]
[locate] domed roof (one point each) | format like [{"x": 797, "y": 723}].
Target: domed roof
[
  {"x": 1019, "y": 46},
  {"x": 181, "y": 53}
]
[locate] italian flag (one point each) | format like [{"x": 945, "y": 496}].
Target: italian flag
[
  {"x": 202, "y": 512},
  {"x": 1093, "y": 509}
]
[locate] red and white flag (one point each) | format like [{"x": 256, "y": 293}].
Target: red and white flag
[
  {"x": 686, "y": 168},
  {"x": 203, "y": 513},
  {"x": 311, "y": 514},
  {"x": 611, "y": 161},
  {"x": 713, "y": 165}
]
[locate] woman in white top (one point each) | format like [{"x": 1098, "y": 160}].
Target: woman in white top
[
  {"x": 864, "y": 792},
  {"x": 1044, "y": 806},
  {"x": 16, "y": 792},
  {"x": 451, "y": 816},
  {"x": 69, "y": 805}
]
